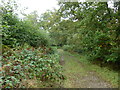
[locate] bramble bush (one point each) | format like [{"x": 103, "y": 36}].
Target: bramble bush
[{"x": 27, "y": 63}]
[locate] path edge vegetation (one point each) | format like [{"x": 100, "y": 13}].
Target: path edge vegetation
[
  {"x": 104, "y": 72},
  {"x": 28, "y": 60},
  {"x": 78, "y": 26}
]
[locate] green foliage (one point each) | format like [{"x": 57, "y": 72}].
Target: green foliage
[
  {"x": 26, "y": 51},
  {"x": 92, "y": 27},
  {"x": 27, "y": 63},
  {"x": 88, "y": 26},
  {"x": 67, "y": 48},
  {"x": 17, "y": 32}
]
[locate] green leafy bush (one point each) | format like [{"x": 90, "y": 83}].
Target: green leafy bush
[
  {"x": 26, "y": 51},
  {"x": 17, "y": 32},
  {"x": 28, "y": 63},
  {"x": 68, "y": 47}
]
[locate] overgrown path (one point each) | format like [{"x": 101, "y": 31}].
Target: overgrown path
[{"x": 79, "y": 74}]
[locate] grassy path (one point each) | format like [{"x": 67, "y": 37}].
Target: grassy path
[{"x": 81, "y": 74}]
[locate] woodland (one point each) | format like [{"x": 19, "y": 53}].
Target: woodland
[{"x": 38, "y": 51}]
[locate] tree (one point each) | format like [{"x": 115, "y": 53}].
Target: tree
[{"x": 91, "y": 26}]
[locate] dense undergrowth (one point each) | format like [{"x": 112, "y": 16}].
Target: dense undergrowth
[
  {"x": 21, "y": 64},
  {"x": 89, "y": 27},
  {"x": 26, "y": 52},
  {"x": 92, "y": 27}
]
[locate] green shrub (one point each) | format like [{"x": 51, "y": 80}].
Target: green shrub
[
  {"x": 17, "y": 32},
  {"x": 38, "y": 38},
  {"x": 28, "y": 63},
  {"x": 68, "y": 47},
  {"x": 52, "y": 50}
]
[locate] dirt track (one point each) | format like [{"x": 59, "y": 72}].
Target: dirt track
[{"x": 78, "y": 76}]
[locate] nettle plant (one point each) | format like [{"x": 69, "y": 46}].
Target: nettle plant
[{"x": 28, "y": 63}]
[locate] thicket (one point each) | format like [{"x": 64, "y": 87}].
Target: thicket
[
  {"x": 16, "y": 32},
  {"x": 25, "y": 64},
  {"x": 92, "y": 27},
  {"x": 26, "y": 52}
]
